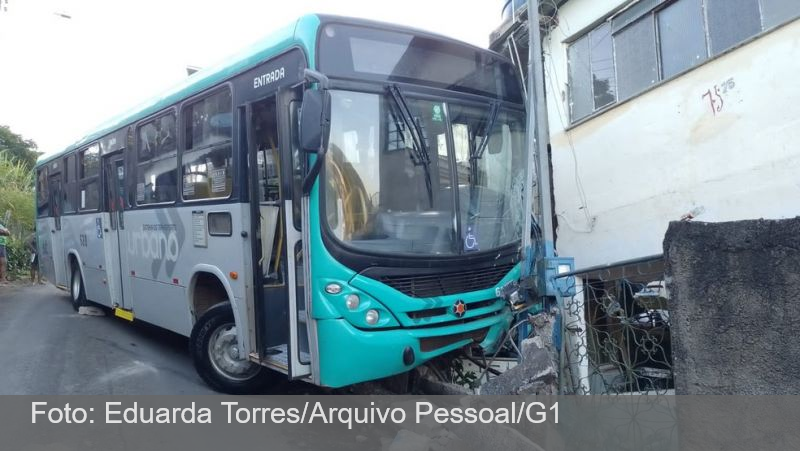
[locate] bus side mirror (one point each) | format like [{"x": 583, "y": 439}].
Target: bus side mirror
[{"x": 314, "y": 118}]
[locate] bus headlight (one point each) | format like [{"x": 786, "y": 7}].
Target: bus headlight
[
  {"x": 372, "y": 317},
  {"x": 352, "y": 301},
  {"x": 333, "y": 288}
]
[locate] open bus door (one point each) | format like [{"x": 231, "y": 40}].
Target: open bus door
[{"x": 282, "y": 320}]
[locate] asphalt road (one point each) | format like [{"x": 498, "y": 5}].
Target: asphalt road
[{"x": 46, "y": 348}]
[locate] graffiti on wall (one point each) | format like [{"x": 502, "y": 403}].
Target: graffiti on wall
[{"x": 715, "y": 96}]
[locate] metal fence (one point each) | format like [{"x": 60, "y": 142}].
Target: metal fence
[{"x": 616, "y": 330}]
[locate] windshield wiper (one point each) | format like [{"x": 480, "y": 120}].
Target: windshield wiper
[
  {"x": 419, "y": 152},
  {"x": 492, "y": 118}
]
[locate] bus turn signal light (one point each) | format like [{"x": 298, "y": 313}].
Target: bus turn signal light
[{"x": 234, "y": 275}]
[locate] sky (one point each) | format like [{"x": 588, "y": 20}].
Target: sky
[{"x": 60, "y": 77}]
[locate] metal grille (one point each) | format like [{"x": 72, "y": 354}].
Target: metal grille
[
  {"x": 617, "y": 331},
  {"x": 430, "y": 285},
  {"x": 434, "y": 343},
  {"x": 439, "y": 311}
]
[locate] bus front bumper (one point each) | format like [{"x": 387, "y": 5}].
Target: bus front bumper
[{"x": 349, "y": 355}]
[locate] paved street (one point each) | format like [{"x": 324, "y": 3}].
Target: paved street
[{"x": 47, "y": 348}]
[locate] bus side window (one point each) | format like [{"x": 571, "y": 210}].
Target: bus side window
[
  {"x": 157, "y": 167},
  {"x": 89, "y": 162},
  {"x": 208, "y": 155}
]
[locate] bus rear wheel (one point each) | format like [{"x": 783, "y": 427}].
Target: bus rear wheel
[
  {"x": 76, "y": 290},
  {"x": 215, "y": 352}
]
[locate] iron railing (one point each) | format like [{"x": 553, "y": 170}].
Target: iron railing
[{"x": 616, "y": 330}]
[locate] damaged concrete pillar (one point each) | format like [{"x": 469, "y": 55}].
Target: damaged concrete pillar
[
  {"x": 735, "y": 313},
  {"x": 537, "y": 373}
]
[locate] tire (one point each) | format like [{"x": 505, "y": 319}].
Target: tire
[
  {"x": 76, "y": 290},
  {"x": 213, "y": 349}
]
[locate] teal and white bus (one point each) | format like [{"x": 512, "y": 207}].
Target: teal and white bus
[{"x": 341, "y": 202}]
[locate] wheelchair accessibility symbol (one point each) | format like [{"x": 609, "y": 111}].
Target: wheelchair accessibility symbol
[{"x": 470, "y": 240}]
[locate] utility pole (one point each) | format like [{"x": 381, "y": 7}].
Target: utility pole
[{"x": 539, "y": 131}]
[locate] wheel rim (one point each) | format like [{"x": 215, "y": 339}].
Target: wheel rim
[
  {"x": 223, "y": 352},
  {"x": 76, "y": 286}
]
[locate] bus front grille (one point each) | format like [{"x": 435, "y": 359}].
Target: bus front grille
[
  {"x": 440, "y": 311},
  {"x": 441, "y": 284},
  {"x": 434, "y": 343}
]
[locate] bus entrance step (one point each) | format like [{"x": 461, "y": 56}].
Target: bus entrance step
[{"x": 279, "y": 356}]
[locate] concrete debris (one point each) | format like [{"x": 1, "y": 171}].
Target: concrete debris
[
  {"x": 428, "y": 383},
  {"x": 447, "y": 441},
  {"x": 460, "y": 437},
  {"x": 537, "y": 374},
  {"x": 427, "y": 424},
  {"x": 494, "y": 437},
  {"x": 91, "y": 310},
  {"x": 406, "y": 440}
]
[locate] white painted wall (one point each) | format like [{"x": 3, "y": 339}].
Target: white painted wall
[{"x": 664, "y": 154}]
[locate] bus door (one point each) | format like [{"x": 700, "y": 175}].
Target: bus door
[
  {"x": 281, "y": 316},
  {"x": 115, "y": 239},
  {"x": 56, "y": 237}
]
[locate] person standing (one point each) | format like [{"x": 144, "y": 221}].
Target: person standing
[
  {"x": 36, "y": 275},
  {"x": 4, "y": 234}
]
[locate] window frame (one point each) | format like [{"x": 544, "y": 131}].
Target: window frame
[
  {"x": 137, "y": 162},
  {"x": 226, "y": 86},
  {"x": 653, "y": 11}
]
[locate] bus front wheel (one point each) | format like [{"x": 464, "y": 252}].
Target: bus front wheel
[
  {"x": 76, "y": 290},
  {"x": 215, "y": 352}
]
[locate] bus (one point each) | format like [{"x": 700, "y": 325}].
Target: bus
[{"x": 340, "y": 202}]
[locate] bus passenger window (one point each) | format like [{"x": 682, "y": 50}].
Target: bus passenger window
[
  {"x": 89, "y": 198},
  {"x": 208, "y": 158},
  {"x": 157, "y": 178},
  {"x": 207, "y": 173}
]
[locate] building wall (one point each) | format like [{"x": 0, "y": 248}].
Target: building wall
[
  {"x": 665, "y": 154},
  {"x": 734, "y": 318}
]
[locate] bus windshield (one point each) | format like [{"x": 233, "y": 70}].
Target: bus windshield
[{"x": 461, "y": 192}]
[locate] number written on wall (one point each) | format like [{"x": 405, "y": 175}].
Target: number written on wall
[
  {"x": 716, "y": 95},
  {"x": 84, "y": 240}
]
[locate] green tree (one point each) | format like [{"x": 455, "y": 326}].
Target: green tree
[
  {"x": 17, "y": 210},
  {"x": 18, "y": 148}
]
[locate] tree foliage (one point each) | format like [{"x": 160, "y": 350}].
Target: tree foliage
[
  {"x": 18, "y": 148},
  {"x": 17, "y": 209}
]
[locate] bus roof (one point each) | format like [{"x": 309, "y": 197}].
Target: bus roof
[{"x": 300, "y": 33}]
